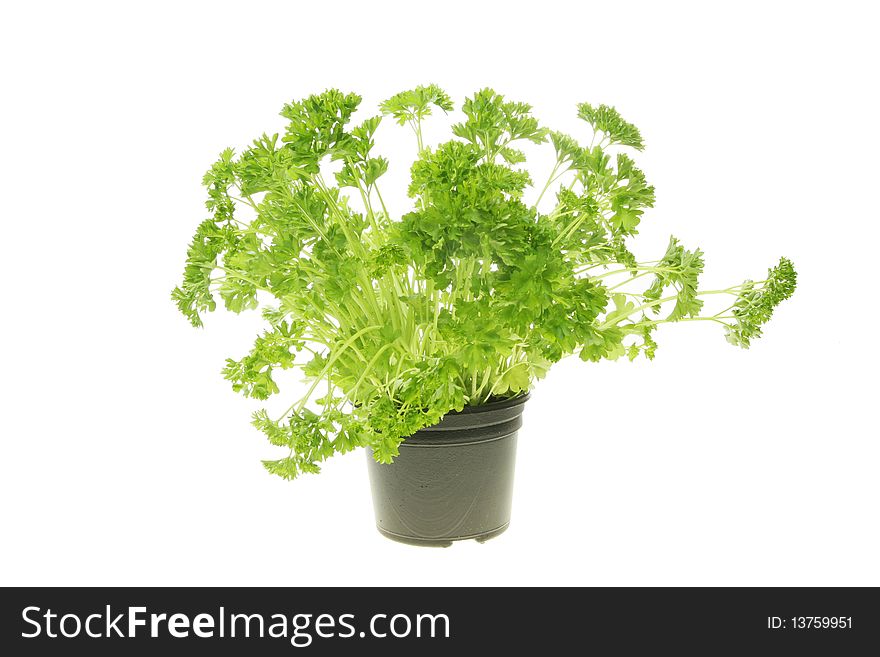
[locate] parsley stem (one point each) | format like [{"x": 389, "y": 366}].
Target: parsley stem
[{"x": 550, "y": 180}]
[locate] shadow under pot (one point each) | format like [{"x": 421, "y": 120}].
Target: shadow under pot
[{"x": 452, "y": 481}]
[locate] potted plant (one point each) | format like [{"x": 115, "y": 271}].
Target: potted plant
[{"x": 421, "y": 333}]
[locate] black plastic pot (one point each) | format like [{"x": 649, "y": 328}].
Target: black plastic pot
[{"x": 452, "y": 481}]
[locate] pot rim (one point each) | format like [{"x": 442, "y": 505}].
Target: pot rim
[{"x": 494, "y": 405}]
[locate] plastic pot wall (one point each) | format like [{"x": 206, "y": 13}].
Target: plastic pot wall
[{"x": 452, "y": 481}]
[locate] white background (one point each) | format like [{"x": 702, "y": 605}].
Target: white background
[{"x": 127, "y": 460}]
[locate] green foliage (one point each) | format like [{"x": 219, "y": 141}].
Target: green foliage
[
  {"x": 679, "y": 269},
  {"x": 469, "y": 295},
  {"x": 252, "y": 375},
  {"x": 415, "y": 104},
  {"x": 493, "y": 123},
  {"x": 317, "y": 128},
  {"x": 608, "y": 121},
  {"x": 755, "y": 303}
]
